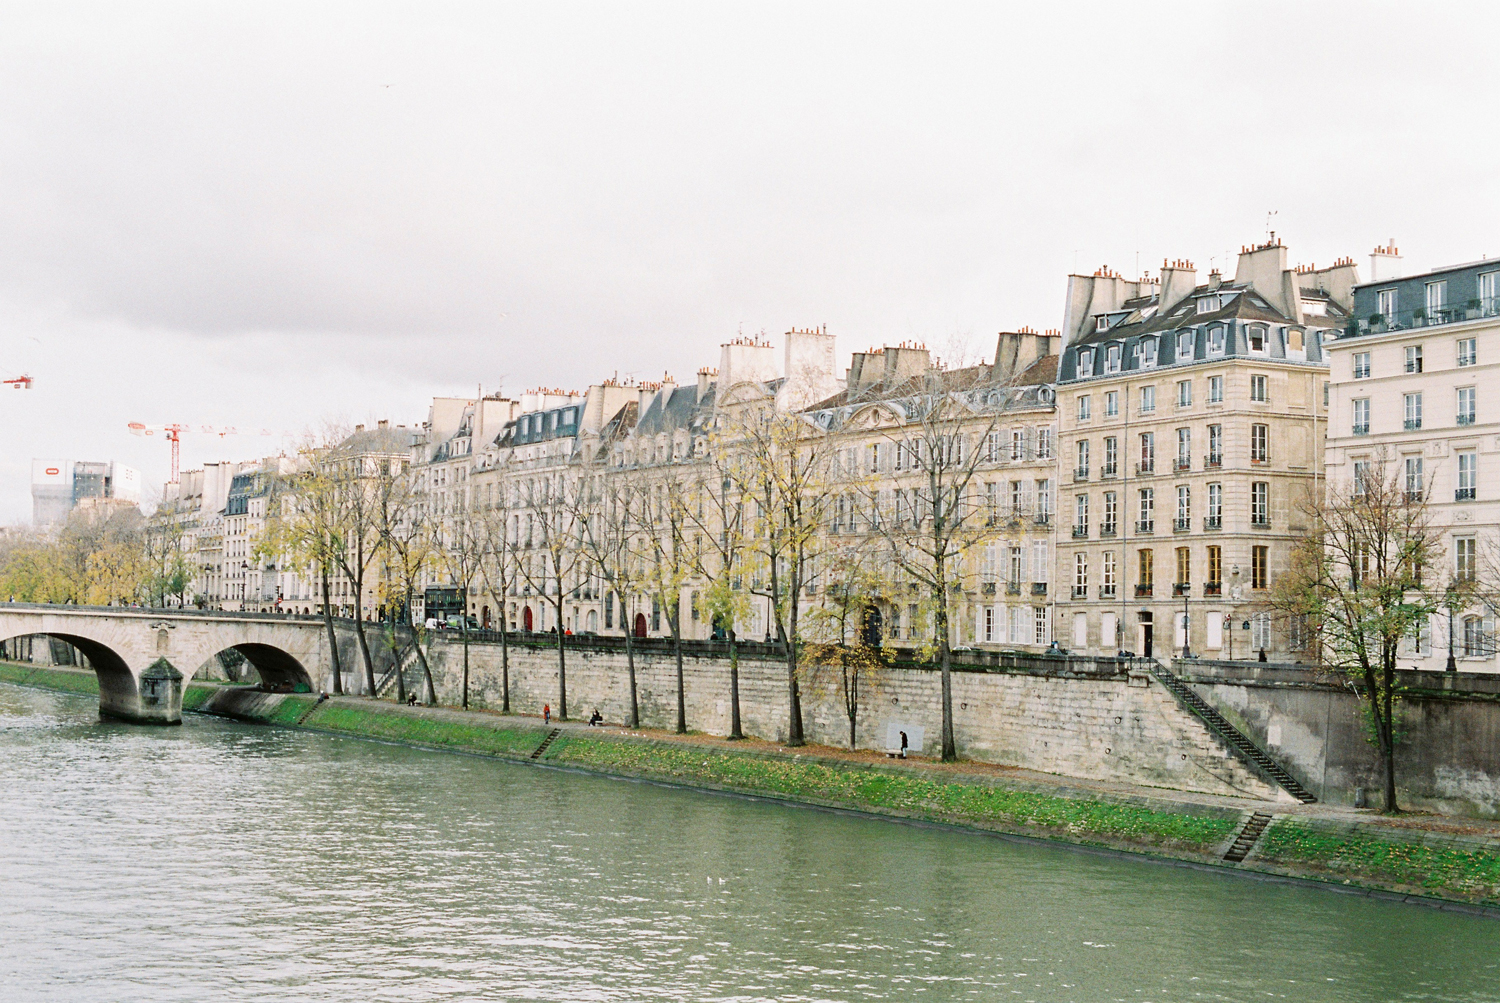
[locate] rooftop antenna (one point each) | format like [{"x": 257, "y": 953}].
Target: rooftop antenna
[{"x": 1270, "y": 233}]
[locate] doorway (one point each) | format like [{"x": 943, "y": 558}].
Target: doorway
[
  {"x": 1146, "y": 629},
  {"x": 640, "y": 625},
  {"x": 526, "y": 619}
]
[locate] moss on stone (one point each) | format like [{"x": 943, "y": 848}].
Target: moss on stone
[
  {"x": 372, "y": 721},
  {"x": 1439, "y": 867}
]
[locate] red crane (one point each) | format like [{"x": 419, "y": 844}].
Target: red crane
[
  {"x": 173, "y": 434},
  {"x": 19, "y": 383}
]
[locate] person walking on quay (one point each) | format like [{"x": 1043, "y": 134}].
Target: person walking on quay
[
  {"x": 903, "y": 745},
  {"x": 546, "y": 713}
]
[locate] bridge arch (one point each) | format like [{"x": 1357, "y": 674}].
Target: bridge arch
[
  {"x": 117, "y": 684},
  {"x": 279, "y": 671}
]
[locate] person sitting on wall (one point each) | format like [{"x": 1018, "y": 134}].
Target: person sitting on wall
[{"x": 596, "y": 718}]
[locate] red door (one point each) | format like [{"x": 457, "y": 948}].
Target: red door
[
  {"x": 526, "y": 619},
  {"x": 640, "y": 625}
]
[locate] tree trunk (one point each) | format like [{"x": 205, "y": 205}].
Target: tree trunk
[
  {"x": 851, "y": 696},
  {"x": 504, "y": 662},
  {"x": 794, "y": 696},
  {"x": 562, "y": 665},
  {"x": 333, "y": 641},
  {"x": 364, "y": 652},
  {"x": 465, "y": 699},
  {"x": 401, "y": 655},
  {"x": 431, "y": 697},
  {"x": 677, "y": 645},
  {"x": 1388, "y": 737},
  {"x": 950, "y": 747},
  {"x": 735, "y": 734},
  {"x": 635, "y": 707}
]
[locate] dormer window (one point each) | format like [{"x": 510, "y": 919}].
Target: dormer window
[
  {"x": 1112, "y": 358},
  {"x": 1101, "y": 323},
  {"x": 1216, "y": 341},
  {"x": 1208, "y": 304},
  {"x": 1085, "y": 362},
  {"x": 1257, "y": 336},
  {"x": 1147, "y": 350},
  {"x": 1184, "y": 346}
]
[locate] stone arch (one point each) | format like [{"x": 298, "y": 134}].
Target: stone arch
[
  {"x": 117, "y": 684},
  {"x": 279, "y": 672}
]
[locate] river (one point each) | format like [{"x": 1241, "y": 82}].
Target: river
[{"x": 221, "y": 861}]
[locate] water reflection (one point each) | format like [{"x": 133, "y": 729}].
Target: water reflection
[{"x": 224, "y": 861}]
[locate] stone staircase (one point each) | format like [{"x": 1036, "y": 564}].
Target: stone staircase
[
  {"x": 1236, "y": 739},
  {"x": 406, "y": 660},
  {"x": 1248, "y": 837},
  {"x": 537, "y": 753}
]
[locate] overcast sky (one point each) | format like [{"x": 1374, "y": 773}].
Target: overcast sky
[{"x": 268, "y": 215}]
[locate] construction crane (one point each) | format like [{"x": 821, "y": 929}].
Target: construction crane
[
  {"x": 173, "y": 434},
  {"x": 22, "y": 382}
]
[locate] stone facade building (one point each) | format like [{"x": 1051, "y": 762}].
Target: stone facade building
[
  {"x": 1414, "y": 388},
  {"x": 1192, "y": 417}
]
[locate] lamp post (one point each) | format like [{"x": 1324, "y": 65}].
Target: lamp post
[
  {"x": 1234, "y": 594},
  {"x": 1450, "y": 600}
]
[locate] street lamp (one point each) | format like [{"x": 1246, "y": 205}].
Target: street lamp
[{"x": 1450, "y": 600}]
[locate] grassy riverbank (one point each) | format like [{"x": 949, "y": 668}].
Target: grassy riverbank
[{"x": 1428, "y": 860}]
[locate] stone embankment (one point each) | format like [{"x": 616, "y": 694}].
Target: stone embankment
[{"x": 1442, "y": 862}]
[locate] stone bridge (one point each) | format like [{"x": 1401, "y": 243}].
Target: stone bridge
[{"x": 144, "y": 657}]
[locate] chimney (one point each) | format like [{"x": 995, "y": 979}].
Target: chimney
[
  {"x": 1178, "y": 280},
  {"x": 1018, "y": 351},
  {"x": 1263, "y": 268},
  {"x": 1385, "y": 262},
  {"x": 864, "y": 370},
  {"x": 705, "y": 380},
  {"x": 359, "y": 428},
  {"x": 383, "y": 424}
]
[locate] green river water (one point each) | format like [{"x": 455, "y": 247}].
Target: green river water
[{"x": 221, "y": 861}]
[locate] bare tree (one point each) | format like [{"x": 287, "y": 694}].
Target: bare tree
[
  {"x": 719, "y": 517},
  {"x": 606, "y": 513},
  {"x": 553, "y": 511},
  {"x": 496, "y": 567},
  {"x": 662, "y": 513},
  {"x": 463, "y": 541},
  {"x": 353, "y": 486},
  {"x": 1360, "y": 579},
  {"x": 408, "y": 538},
  {"x": 852, "y": 584}
]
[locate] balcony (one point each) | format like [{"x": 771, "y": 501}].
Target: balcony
[
  {"x": 1042, "y": 518},
  {"x": 1109, "y": 470},
  {"x": 1145, "y": 468},
  {"x": 1142, "y": 591},
  {"x": 1213, "y": 588},
  {"x": 1182, "y": 525},
  {"x": 1474, "y": 309},
  {"x": 1412, "y": 424},
  {"x": 1182, "y": 589},
  {"x": 1464, "y": 494},
  {"x": 1080, "y": 592},
  {"x": 1415, "y": 497},
  {"x": 1012, "y": 588},
  {"x": 1213, "y": 461},
  {"x": 1361, "y": 428},
  {"x": 1260, "y": 522},
  {"x": 1145, "y": 526},
  {"x": 1106, "y": 592},
  {"x": 1038, "y": 588},
  {"x": 1080, "y": 532},
  {"x": 1081, "y": 474},
  {"x": 1466, "y": 419},
  {"x": 1183, "y": 463},
  {"x": 1106, "y": 530},
  {"x": 1213, "y": 522},
  {"x": 987, "y": 588}
]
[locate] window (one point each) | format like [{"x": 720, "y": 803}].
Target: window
[
  {"x": 1111, "y": 456},
  {"x": 1147, "y": 521},
  {"x": 1260, "y": 631},
  {"x": 1466, "y": 405},
  {"x": 1361, "y": 478},
  {"x": 1260, "y": 443},
  {"x": 1215, "y": 505},
  {"x": 1260, "y": 503},
  {"x": 1017, "y": 565},
  {"x": 1386, "y": 304},
  {"x": 1413, "y": 358},
  {"x": 1080, "y": 575},
  {"x": 1414, "y": 478},
  {"x": 1017, "y": 498},
  {"x": 1361, "y": 365},
  {"x": 1112, "y": 358},
  {"x": 1468, "y": 475},
  {"x": 1208, "y": 304},
  {"x": 1216, "y": 341},
  {"x": 1148, "y": 452},
  {"x": 1184, "y": 346},
  {"x": 1215, "y": 445},
  {"x": 1437, "y": 299},
  {"x": 1017, "y": 444},
  {"x": 1419, "y": 640},
  {"x": 1107, "y": 575},
  {"x": 1413, "y": 410},
  {"x": 1147, "y": 349},
  {"x": 1148, "y": 399},
  {"x": 1041, "y": 564},
  {"x": 1257, "y": 335},
  {"x": 1184, "y": 393},
  {"x": 989, "y": 623},
  {"x": 1258, "y": 391},
  {"x": 1259, "y": 578},
  {"x": 1466, "y": 352},
  {"x": 1465, "y": 559},
  {"x": 1361, "y": 415},
  {"x": 1107, "y": 527},
  {"x": 1112, "y": 404},
  {"x": 1101, "y": 323},
  {"x": 1085, "y": 362},
  {"x": 1043, "y": 500},
  {"x": 1184, "y": 566},
  {"x": 1215, "y": 566},
  {"x": 1476, "y": 638},
  {"x": 1144, "y": 569},
  {"x": 1043, "y": 443},
  {"x": 1327, "y": 387},
  {"x": 609, "y": 610},
  {"x": 1216, "y": 389},
  {"x": 1084, "y": 405},
  {"x": 1039, "y": 624},
  {"x": 1081, "y": 452},
  {"x": 1081, "y": 514},
  {"x": 1184, "y": 506},
  {"x": 1487, "y": 291},
  {"x": 1184, "y": 448}
]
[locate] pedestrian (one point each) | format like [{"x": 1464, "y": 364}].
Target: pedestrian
[
  {"x": 903, "y": 745},
  {"x": 546, "y": 713}
]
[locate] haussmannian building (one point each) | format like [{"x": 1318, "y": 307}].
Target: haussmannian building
[{"x": 1191, "y": 420}]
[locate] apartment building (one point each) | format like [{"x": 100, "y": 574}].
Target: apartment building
[
  {"x": 1414, "y": 387},
  {"x": 1191, "y": 421}
]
